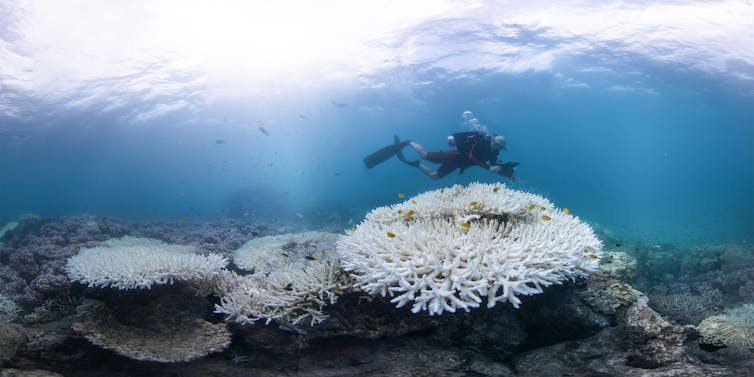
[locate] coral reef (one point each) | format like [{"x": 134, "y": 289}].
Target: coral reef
[
  {"x": 685, "y": 305},
  {"x": 618, "y": 265},
  {"x": 130, "y": 262},
  {"x": 445, "y": 249},
  {"x": 293, "y": 277},
  {"x": 594, "y": 326},
  {"x": 734, "y": 328},
  {"x": 8, "y": 309}
]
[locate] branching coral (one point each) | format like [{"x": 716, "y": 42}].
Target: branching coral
[
  {"x": 447, "y": 249},
  {"x": 293, "y": 278}
]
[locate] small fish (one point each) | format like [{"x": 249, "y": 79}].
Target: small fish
[
  {"x": 219, "y": 141},
  {"x": 465, "y": 225},
  {"x": 309, "y": 257},
  {"x": 409, "y": 213},
  {"x": 302, "y": 116},
  {"x": 284, "y": 254},
  {"x": 473, "y": 204},
  {"x": 442, "y": 190},
  {"x": 546, "y": 218},
  {"x": 288, "y": 287},
  {"x": 324, "y": 252},
  {"x": 400, "y": 211},
  {"x": 542, "y": 208},
  {"x": 305, "y": 273},
  {"x": 617, "y": 245},
  {"x": 339, "y": 104},
  {"x": 566, "y": 211},
  {"x": 496, "y": 189},
  {"x": 413, "y": 201},
  {"x": 263, "y": 130},
  {"x": 390, "y": 235},
  {"x": 180, "y": 220},
  {"x": 337, "y": 288},
  {"x": 401, "y": 195},
  {"x": 299, "y": 215},
  {"x": 353, "y": 229},
  {"x": 592, "y": 256},
  {"x": 531, "y": 207}
]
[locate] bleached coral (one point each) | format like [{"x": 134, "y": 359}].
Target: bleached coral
[
  {"x": 447, "y": 249},
  {"x": 7, "y": 228},
  {"x": 734, "y": 328},
  {"x": 129, "y": 263},
  {"x": 265, "y": 254},
  {"x": 294, "y": 277}
]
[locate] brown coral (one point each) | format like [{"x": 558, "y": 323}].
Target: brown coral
[{"x": 174, "y": 340}]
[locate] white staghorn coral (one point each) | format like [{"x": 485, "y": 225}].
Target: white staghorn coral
[
  {"x": 447, "y": 249},
  {"x": 293, "y": 278},
  {"x": 130, "y": 263}
]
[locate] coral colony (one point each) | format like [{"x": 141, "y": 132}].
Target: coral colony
[{"x": 447, "y": 249}]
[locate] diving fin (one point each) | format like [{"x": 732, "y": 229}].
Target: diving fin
[{"x": 385, "y": 153}]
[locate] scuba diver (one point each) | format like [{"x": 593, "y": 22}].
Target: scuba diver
[{"x": 474, "y": 148}]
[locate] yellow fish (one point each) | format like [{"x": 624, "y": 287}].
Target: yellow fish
[
  {"x": 532, "y": 206},
  {"x": 473, "y": 204},
  {"x": 592, "y": 256},
  {"x": 401, "y": 195},
  {"x": 390, "y": 235},
  {"x": 400, "y": 211},
  {"x": 496, "y": 189},
  {"x": 566, "y": 211},
  {"x": 353, "y": 230},
  {"x": 465, "y": 225},
  {"x": 409, "y": 214},
  {"x": 180, "y": 220},
  {"x": 546, "y": 218}
]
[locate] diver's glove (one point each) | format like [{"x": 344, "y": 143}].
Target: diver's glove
[{"x": 504, "y": 170}]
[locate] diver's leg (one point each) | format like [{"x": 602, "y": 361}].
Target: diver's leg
[
  {"x": 419, "y": 149},
  {"x": 432, "y": 173}
]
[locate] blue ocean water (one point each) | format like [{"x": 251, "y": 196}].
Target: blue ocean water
[{"x": 644, "y": 145}]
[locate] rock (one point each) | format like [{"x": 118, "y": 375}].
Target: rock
[
  {"x": 10, "y": 372},
  {"x": 652, "y": 340},
  {"x": 12, "y": 337}
]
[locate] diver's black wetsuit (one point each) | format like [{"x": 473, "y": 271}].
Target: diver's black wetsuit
[{"x": 472, "y": 148}]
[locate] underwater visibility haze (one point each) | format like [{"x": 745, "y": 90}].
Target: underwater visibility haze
[{"x": 637, "y": 116}]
